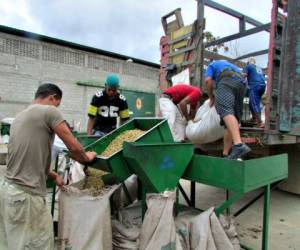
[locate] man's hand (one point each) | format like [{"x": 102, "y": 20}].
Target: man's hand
[
  {"x": 90, "y": 125},
  {"x": 59, "y": 181},
  {"x": 91, "y": 155}
]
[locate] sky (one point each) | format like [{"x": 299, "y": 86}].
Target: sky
[{"x": 129, "y": 27}]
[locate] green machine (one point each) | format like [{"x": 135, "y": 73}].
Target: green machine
[{"x": 160, "y": 163}]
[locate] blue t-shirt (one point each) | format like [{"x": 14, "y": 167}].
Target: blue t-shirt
[
  {"x": 216, "y": 67},
  {"x": 254, "y": 75}
]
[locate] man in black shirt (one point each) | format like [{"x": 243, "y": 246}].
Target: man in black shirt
[{"x": 106, "y": 106}]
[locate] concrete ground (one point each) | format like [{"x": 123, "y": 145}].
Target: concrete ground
[{"x": 284, "y": 227}]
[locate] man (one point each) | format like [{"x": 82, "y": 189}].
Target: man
[
  {"x": 228, "y": 99},
  {"x": 174, "y": 107},
  {"x": 25, "y": 221},
  {"x": 58, "y": 145},
  {"x": 257, "y": 87},
  {"x": 106, "y": 107}
]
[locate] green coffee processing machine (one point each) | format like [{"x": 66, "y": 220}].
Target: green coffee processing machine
[{"x": 160, "y": 163}]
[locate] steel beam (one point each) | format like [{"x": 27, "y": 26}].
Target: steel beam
[
  {"x": 256, "y": 53},
  {"x": 242, "y": 25},
  {"x": 238, "y": 35},
  {"x": 233, "y": 13}
]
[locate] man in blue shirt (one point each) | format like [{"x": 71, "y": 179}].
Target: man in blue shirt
[
  {"x": 228, "y": 99},
  {"x": 257, "y": 87}
]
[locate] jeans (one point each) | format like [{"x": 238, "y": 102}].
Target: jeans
[
  {"x": 99, "y": 133},
  {"x": 255, "y": 94}
]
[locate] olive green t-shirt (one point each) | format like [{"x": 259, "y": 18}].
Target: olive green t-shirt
[{"x": 29, "y": 148}]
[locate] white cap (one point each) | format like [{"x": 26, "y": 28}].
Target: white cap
[{"x": 251, "y": 60}]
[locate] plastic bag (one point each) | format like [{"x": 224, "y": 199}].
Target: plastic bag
[
  {"x": 76, "y": 172},
  {"x": 206, "y": 125}
]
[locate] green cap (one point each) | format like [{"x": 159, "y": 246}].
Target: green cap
[{"x": 112, "y": 81}]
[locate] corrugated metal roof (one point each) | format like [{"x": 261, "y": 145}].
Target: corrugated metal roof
[{"x": 35, "y": 36}]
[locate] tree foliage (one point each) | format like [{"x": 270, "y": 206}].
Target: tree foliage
[{"x": 209, "y": 37}]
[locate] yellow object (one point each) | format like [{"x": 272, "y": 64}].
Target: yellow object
[
  {"x": 177, "y": 59},
  {"x": 124, "y": 113},
  {"x": 92, "y": 110}
]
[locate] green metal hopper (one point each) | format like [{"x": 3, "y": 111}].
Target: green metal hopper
[
  {"x": 86, "y": 140},
  {"x": 158, "y": 165},
  {"x": 237, "y": 176},
  {"x": 157, "y": 131}
]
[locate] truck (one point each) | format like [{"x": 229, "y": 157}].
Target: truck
[{"x": 183, "y": 47}]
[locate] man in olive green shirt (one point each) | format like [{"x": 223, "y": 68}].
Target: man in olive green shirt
[{"x": 25, "y": 222}]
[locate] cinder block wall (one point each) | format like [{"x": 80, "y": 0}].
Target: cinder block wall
[{"x": 26, "y": 63}]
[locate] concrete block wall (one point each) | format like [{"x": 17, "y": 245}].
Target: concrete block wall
[{"x": 26, "y": 63}]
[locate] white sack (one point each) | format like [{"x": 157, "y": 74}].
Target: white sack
[
  {"x": 204, "y": 232},
  {"x": 120, "y": 198},
  {"x": 158, "y": 229},
  {"x": 206, "y": 126},
  {"x": 175, "y": 119},
  {"x": 126, "y": 229},
  {"x": 182, "y": 77},
  {"x": 84, "y": 220}
]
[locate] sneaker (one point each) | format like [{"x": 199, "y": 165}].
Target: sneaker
[{"x": 238, "y": 151}]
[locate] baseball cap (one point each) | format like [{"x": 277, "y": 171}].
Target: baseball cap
[{"x": 112, "y": 81}]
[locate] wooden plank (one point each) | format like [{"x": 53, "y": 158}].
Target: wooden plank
[
  {"x": 184, "y": 37},
  {"x": 182, "y": 51}
]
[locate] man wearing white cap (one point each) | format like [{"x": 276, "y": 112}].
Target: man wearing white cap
[{"x": 257, "y": 86}]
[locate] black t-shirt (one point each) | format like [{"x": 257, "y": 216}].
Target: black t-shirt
[{"x": 105, "y": 111}]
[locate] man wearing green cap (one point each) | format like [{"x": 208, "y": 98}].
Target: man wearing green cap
[{"x": 106, "y": 107}]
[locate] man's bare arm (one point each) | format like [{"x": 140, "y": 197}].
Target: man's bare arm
[
  {"x": 90, "y": 125},
  {"x": 209, "y": 86},
  {"x": 183, "y": 107},
  {"x": 76, "y": 150}
]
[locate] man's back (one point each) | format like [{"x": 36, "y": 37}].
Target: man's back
[
  {"x": 215, "y": 68},
  {"x": 254, "y": 74},
  {"x": 180, "y": 91},
  {"x": 29, "y": 149}
]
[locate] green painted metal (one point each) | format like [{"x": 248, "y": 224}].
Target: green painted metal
[
  {"x": 4, "y": 128},
  {"x": 157, "y": 131},
  {"x": 158, "y": 165},
  {"x": 237, "y": 176},
  {"x": 246, "y": 247},
  {"x": 86, "y": 140},
  {"x": 53, "y": 189},
  {"x": 266, "y": 218},
  {"x": 140, "y": 104},
  {"x": 228, "y": 203}
]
